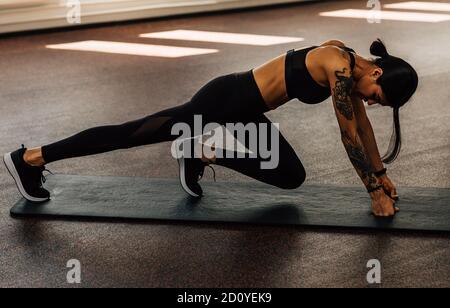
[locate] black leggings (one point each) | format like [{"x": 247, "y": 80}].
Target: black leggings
[{"x": 233, "y": 98}]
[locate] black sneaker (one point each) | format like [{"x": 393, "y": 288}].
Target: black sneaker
[
  {"x": 191, "y": 170},
  {"x": 28, "y": 178}
]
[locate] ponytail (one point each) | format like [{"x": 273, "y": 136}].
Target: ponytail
[
  {"x": 378, "y": 49},
  {"x": 395, "y": 143},
  {"x": 399, "y": 82}
]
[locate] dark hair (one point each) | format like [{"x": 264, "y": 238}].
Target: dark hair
[{"x": 399, "y": 82}]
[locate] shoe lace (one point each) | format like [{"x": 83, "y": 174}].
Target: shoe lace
[{"x": 43, "y": 178}]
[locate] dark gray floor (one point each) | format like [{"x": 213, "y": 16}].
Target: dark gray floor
[{"x": 47, "y": 95}]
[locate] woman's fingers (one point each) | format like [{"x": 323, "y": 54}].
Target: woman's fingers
[
  {"x": 389, "y": 189},
  {"x": 385, "y": 211},
  {"x": 394, "y": 194}
]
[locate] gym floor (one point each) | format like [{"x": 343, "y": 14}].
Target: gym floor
[{"x": 49, "y": 94}]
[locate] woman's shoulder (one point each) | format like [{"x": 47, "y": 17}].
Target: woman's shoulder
[
  {"x": 337, "y": 43},
  {"x": 333, "y": 57},
  {"x": 330, "y": 53}
]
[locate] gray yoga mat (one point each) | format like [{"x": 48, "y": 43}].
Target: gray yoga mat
[{"x": 425, "y": 209}]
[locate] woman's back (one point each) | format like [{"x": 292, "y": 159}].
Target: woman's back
[{"x": 297, "y": 74}]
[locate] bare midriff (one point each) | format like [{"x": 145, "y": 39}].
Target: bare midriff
[{"x": 270, "y": 78}]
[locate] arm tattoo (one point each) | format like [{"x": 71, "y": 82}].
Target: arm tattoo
[
  {"x": 359, "y": 159},
  {"x": 342, "y": 90}
]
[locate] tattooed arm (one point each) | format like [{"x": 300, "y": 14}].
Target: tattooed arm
[
  {"x": 366, "y": 134},
  {"x": 341, "y": 82}
]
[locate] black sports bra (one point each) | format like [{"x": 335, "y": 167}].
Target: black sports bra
[{"x": 299, "y": 82}]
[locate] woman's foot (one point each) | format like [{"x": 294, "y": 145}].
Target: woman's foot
[
  {"x": 191, "y": 170},
  {"x": 28, "y": 178}
]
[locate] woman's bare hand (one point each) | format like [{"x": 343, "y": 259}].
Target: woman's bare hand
[
  {"x": 382, "y": 204},
  {"x": 388, "y": 187}
]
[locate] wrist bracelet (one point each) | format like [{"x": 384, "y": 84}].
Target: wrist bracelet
[
  {"x": 380, "y": 173},
  {"x": 370, "y": 190}
]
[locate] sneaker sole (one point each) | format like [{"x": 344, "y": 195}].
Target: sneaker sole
[
  {"x": 7, "y": 160},
  {"x": 182, "y": 173}
]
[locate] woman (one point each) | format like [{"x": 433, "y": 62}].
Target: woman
[{"x": 310, "y": 74}]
